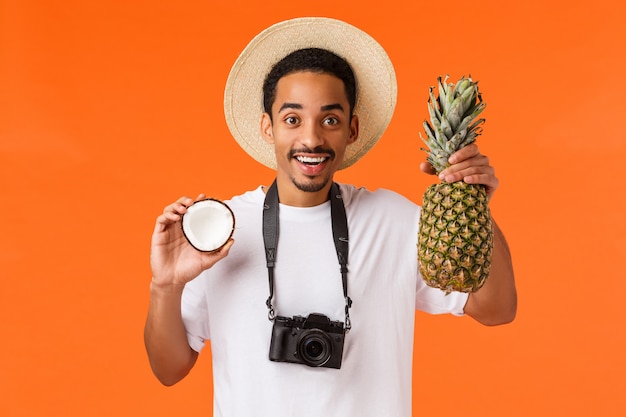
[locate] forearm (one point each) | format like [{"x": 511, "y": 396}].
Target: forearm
[
  {"x": 496, "y": 302},
  {"x": 170, "y": 355}
]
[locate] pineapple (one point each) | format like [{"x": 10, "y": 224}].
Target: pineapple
[{"x": 455, "y": 233}]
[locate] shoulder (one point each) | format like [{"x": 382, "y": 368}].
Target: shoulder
[
  {"x": 247, "y": 209},
  {"x": 247, "y": 199},
  {"x": 360, "y": 197}
]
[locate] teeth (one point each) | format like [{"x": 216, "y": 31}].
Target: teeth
[{"x": 310, "y": 160}]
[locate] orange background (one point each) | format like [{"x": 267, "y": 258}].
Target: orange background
[{"x": 111, "y": 110}]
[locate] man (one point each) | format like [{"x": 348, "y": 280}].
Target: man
[{"x": 318, "y": 118}]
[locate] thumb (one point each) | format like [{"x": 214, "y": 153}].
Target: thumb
[
  {"x": 427, "y": 168},
  {"x": 211, "y": 258}
]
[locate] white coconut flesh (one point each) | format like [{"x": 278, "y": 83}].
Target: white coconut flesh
[{"x": 208, "y": 224}]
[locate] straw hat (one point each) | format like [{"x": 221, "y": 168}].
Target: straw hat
[{"x": 375, "y": 77}]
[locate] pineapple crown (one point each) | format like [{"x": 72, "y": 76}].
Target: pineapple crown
[{"x": 452, "y": 115}]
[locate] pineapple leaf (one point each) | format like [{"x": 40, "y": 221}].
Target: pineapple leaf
[{"x": 453, "y": 119}]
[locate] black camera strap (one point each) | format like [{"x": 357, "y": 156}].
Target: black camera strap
[{"x": 340, "y": 236}]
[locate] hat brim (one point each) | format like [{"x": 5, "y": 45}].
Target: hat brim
[{"x": 374, "y": 72}]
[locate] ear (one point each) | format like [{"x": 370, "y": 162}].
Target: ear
[
  {"x": 266, "y": 128},
  {"x": 354, "y": 129}
]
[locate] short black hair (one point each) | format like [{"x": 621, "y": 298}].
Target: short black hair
[{"x": 312, "y": 60}]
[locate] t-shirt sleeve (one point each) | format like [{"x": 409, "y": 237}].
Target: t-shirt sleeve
[
  {"x": 195, "y": 313},
  {"x": 434, "y": 301}
]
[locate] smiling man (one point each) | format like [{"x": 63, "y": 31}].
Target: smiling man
[
  {"x": 339, "y": 263},
  {"x": 310, "y": 124}
]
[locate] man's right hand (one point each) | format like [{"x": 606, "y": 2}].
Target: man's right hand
[{"x": 173, "y": 260}]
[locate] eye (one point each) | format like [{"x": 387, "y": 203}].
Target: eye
[
  {"x": 291, "y": 120},
  {"x": 331, "y": 121}
]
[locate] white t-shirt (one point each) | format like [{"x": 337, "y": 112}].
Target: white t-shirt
[{"x": 226, "y": 305}]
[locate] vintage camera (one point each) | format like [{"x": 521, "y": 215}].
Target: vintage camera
[{"x": 314, "y": 341}]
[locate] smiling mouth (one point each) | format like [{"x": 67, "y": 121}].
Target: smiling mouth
[{"x": 309, "y": 160}]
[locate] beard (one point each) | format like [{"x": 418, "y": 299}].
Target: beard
[
  {"x": 314, "y": 184},
  {"x": 311, "y": 186}
]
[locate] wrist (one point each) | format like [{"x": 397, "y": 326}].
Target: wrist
[{"x": 165, "y": 288}]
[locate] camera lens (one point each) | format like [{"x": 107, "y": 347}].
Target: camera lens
[{"x": 314, "y": 347}]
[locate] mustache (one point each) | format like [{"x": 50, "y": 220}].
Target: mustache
[{"x": 317, "y": 149}]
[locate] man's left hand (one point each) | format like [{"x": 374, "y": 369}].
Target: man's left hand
[{"x": 469, "y": 165}]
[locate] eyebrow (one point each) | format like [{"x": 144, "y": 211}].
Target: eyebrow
[
  {"x": 335, "y": 106},
  {"x": 290, "y": 106},
  {"x": 297, "y": 106}
]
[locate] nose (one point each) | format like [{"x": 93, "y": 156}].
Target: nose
[{"x": 312, "y": 135}]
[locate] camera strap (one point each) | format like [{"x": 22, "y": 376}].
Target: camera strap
[{"x": 339, "y": 223}]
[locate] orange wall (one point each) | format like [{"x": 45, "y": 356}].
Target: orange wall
[{"x": 111, "y": 110}]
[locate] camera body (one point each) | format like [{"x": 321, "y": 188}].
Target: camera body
[{"x": 314, "y": 341}]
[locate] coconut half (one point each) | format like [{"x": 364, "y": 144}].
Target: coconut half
[{"x": 208, "y": 224}]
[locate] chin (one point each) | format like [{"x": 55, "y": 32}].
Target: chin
[{"x": 311, "y": 186}]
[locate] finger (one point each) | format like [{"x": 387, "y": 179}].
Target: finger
[
  {"x": 427, "y": 168},
  {"x": 462, "y": 171},
  {"x": 226, "y": 248},
  {"x": 461, "y": 168},
  {"x": 467, "y": 152},
  {"x": 489, "y": 181},
  {"x": 180, "y": 206},
  {"x": 481, "y": 178},
  {"x": 185, "y": 201},
  {"x": 173, "y": 212},
  {"x": 201, "y": 197},
  {"x": 211, "y": 258},
  {"x": 165, "y": 220}
]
